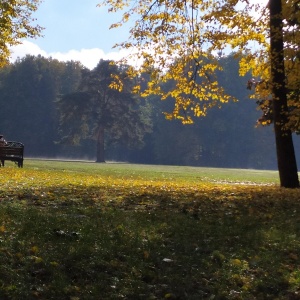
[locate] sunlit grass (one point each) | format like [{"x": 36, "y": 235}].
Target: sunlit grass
[
  {"x": 159, "y": 172},
  {"x": 118, "y": 231}
]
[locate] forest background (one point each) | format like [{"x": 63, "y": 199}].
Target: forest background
[{"x": 227, "y": 137}]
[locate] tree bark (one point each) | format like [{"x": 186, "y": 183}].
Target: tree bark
[
  {"x": 100, "y": 145},
  {"x": 286, "y": 159}
]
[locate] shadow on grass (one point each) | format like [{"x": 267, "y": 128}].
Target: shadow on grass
[{"x": 93, "y": 243}]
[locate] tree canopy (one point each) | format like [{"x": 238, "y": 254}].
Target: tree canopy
[
  {"x": 15, "y": 24},
  {"x": 98, "y": 107},
  {"x": 182, "y": 41},
  {"x": 27, "y": 93}
]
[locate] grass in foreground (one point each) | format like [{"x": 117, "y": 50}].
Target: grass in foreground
[{"x": 88, "y": 231}]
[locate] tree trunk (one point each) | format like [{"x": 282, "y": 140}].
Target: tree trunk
[
  {"x": 286, "y": 159},
  {"x": 100, "y": 145}
]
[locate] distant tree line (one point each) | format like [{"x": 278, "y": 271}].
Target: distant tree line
[{"x": 56, "y": 109}]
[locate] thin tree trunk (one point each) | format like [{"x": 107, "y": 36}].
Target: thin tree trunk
[
  {"x": 100, "y": 145},
  {"x": 286, "y": 159}
]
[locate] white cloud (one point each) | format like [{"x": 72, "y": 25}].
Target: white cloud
[
  {"x": 88, "y": 57},
  {"x": 26, "y": 47}
]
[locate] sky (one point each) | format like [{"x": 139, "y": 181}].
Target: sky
[{"x": 74, "y": 30}]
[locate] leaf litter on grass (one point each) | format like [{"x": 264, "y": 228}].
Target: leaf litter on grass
[{"x": 80, "y": 235}]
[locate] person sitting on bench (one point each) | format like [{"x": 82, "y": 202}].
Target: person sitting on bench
[{"x": 2, "y": 141}]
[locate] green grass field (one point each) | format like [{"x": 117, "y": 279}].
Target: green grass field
[{"x": 79, "y": 230}]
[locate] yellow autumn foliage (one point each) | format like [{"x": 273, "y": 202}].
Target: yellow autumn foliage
[
  {"x": 16, "y": 24},
  {"x": 181, "y": 40}
]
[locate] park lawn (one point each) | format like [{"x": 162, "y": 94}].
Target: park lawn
[{"x": 118, "y": 231}]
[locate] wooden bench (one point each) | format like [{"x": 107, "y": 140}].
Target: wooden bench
[{"x": 13, "y": 151}]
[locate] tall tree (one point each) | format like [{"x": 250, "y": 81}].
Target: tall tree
[
  {"x": 98, "y": 108},
  {"x": 284, "y": 145},
  {"x": 15, "y": 24},
  {"x": 185, "y": 38}
]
